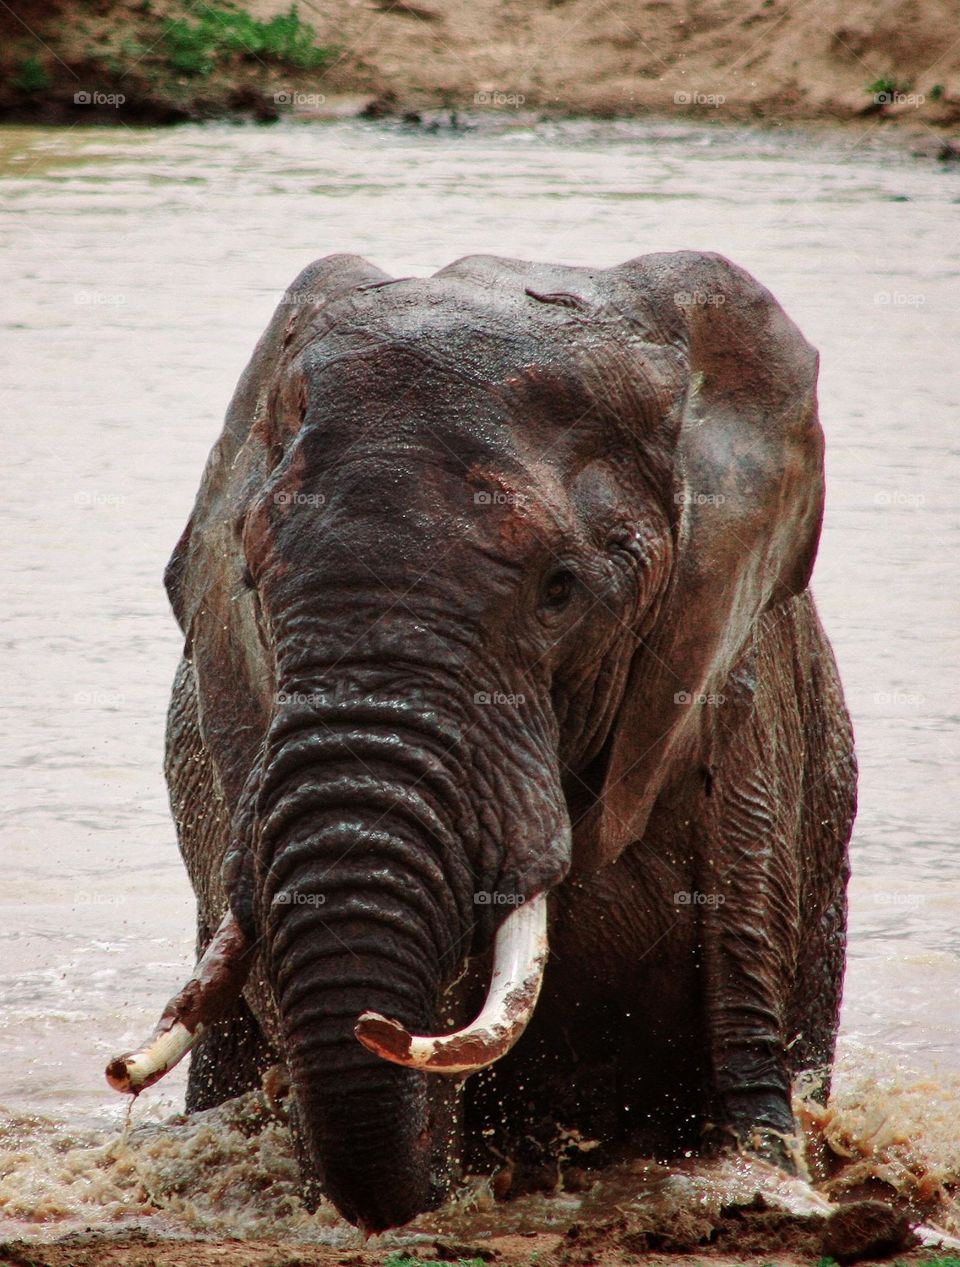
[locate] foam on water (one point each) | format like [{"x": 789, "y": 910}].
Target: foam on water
[{"x": 887, "y": 1133}]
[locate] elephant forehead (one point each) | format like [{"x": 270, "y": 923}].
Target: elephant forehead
[
  {"x": 469, "y": 385},
  {"x": 484, "y": 327}
]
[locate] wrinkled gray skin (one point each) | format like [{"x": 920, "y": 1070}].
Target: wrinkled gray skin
[{"x": 496, "y": 583}]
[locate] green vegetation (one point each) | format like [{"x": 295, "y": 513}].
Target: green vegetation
[
  {"x": 182, "y": 59},
  {"x": 951, "y": 1260},
  {"x": 936, "y": 92},
  {"x": 887, "y": 87},
  {"x": 194, "y": 47},
  {"x": 402, "y": 1259},
  {"x": 886, "y": 83},
  {"x": 31, "y": 75}
]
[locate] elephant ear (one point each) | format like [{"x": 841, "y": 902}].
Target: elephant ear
[
  {"x": 203, "y": 577},
  {"x": 748, "y": 499}
]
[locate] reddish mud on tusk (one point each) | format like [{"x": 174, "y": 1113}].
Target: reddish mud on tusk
[
  {"x": 519, "y": 957},
  {"x": 217, "y": 980}
]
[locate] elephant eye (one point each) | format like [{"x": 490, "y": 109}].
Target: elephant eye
[
  {"x": 558, "y": 589},
  {"x": 247, "y": 579},
  {"x": 625, "y": 541}
]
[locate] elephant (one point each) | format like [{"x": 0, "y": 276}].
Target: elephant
[{"x": 508, "y": 756}]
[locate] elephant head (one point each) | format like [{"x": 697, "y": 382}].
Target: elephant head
[{"x": 468, "y": 553}]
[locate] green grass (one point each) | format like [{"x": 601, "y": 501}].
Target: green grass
[
  {"x": 401, "y": 1259},
  {"x": 950, "y": 1260},
  {"x": 193, "y": 46},
  {"x": 31, "y": 75},
  {"x": 886, "y": 83},
  {"x": 887, "y": 86}
]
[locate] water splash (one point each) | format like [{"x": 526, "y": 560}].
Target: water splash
[{"x": 887, "y": 1134}]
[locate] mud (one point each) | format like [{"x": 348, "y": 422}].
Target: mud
[
  {"x": 603, "y": 1250},
  {"x": 741, "y": 1235}
]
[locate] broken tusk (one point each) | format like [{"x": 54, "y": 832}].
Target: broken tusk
[
  {"x": 147, "y": 1065},
  {"x": 216, "y": 982}
]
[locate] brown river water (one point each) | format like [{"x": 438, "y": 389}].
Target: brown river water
[{"x": 138, "y": 269}]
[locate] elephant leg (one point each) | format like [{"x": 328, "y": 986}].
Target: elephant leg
[
  {"x": 829, "y": 808},
  {"x": 750, "y": 893},
  {"x": 749, "y": 1095},
  {"x": 782, "y": 804},
  {"x": 815, "y": 1007}
]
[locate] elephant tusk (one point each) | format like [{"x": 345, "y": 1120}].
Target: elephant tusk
[
  {"x": 519, "y": 958},
  {"x": 217, "y": 980}
]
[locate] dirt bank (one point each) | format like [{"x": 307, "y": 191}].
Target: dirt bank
[
  {"x": 533, "y": 1251},
  {"x": 746, "y": 1237},
  {"x": 885, "y": 63},
  {"x": 750, "y": 1238}
]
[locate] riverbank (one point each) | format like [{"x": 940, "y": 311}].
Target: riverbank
[
  {"x": 532, "y": 1251},
  {"x": 892, "y": 65}
]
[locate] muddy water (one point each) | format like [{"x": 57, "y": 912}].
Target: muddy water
[{"x": 138, "y": 270}]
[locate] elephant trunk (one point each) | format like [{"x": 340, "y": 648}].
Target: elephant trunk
[
  {"x": 363, "y": 1124},
  {"x": 364, "y": 900}
]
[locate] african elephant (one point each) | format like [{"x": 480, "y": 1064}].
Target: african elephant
[{"x": 498, "y": 635}]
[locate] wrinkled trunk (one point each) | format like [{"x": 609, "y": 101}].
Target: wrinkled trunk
[
  {"x": 364, "y": 1123},
  {"x": 363, "y": 898}
]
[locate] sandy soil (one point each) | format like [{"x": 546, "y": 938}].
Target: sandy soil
[
  {"x": 735, "y": 58},
  {"x": 509, "y": 1251},
  {"x": 726, "y": 60},
  {"x": 145, "y": 1252}
]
